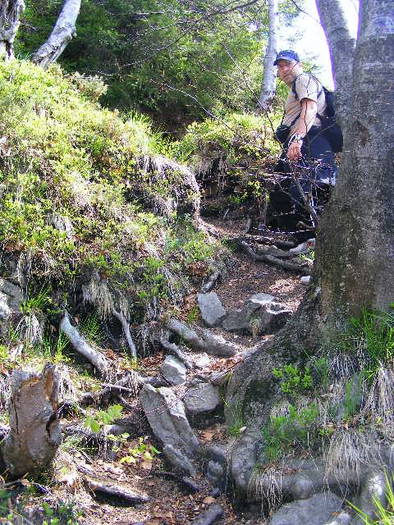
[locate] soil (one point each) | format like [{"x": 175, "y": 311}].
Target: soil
[{"x": 170, "y": 501}]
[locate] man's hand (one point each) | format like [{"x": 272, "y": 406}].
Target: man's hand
[{"x": 294, "y": 151}]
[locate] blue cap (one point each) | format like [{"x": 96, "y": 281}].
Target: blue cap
[{"x": 287, "y": 54}]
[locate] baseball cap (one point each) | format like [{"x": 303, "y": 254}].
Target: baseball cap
[{"x": 287, "y": 54}]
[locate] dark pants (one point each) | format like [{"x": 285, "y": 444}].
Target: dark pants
[{"x": 315, "y": 172}]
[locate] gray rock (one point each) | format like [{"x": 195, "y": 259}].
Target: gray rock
[
  {"x": 212, "y": 310},
  {"x": 343, "y": 518},
  {"x": 179, "y": 461},
  {"x": 173, "y": 371},
  {"x": 243, "y": 460},
  {"x": 261, "y": 298},
  {"x": 259, "y": 315},
  {"x": 167, "y": 418},
  {"x": 215, "y": 473},
  {"x": 316, "y": 510},
  {"x": 201, "y": 398},
  {"x": 373, "y": 489},
  {"x": 11, "y": 298}
]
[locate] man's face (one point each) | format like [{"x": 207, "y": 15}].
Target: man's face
[{"x": 287, "y": 70}]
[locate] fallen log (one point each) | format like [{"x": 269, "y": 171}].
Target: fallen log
[{"x": 82, "y": 347}]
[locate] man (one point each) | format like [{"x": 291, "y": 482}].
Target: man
[{"x": 307, "y": 159}]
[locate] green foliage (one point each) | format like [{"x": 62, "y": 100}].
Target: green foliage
[
  {"x": 373, "y": 334},
  {"x": 141, "y": 451},
  {"x": 238, "y": 420},
  {"x": 92, "y": 329},
  {"x": 60, "y": 514},
  {"x": 177, "y": 60},
  {"x": 103, "y": 417},
  {"x": 294, "y": 380},
  {"x": 295, "y": 430}
]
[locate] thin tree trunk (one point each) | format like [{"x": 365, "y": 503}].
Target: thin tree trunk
[
  {"x": 268, "y": 87},
  {"x": 341, "y": 46},
  {"x": 61, "y": 35},
  {"x": 10, "y": 12}
]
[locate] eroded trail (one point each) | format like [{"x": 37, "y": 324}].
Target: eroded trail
[{"x": 127, "y": 481}]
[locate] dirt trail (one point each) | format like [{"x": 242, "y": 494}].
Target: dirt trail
[{"x": 170, "y": 502}]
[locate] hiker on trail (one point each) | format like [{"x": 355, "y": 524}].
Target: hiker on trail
[{"x": 308, "y": 136}]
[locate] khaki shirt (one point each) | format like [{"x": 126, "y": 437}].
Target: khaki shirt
[{"x": 309, "y": 87}]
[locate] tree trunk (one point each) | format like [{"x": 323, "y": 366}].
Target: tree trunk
[
  {"x": 268, "y": 87},
  {"x": 10, "y": 12},
  {"x": 35, "y": 431},
  {"x": 341, "y": 46},
  {"x": 61, "y": 35},
  {"x": 355, "y": 245},
  {"x": 355, "y": 248}
]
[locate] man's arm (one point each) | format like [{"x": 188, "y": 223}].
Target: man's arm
[{"x": 301, "y": 127}]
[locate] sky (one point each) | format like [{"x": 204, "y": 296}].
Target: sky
[{"x": 308, "y": 39}]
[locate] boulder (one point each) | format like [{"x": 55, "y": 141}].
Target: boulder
[
  {"x": 167, "y": 418},
  {"x": 173, "y": 371},
  {"x": 260, "y": 314},
  {"x": 373, "y": 490},
  {"x": 316, "y": 510},
  {"x": 11, "y": 298},
  {"x": 212, "y": 310},
  {"x": 179, "y": 461},
  {"x": 201, "y": 398}
]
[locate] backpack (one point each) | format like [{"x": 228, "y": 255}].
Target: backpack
[{"x": 330, "y": 127}]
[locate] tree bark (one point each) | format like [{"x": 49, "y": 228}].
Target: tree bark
[
  {"x": 10, "y": 12},
  {"x": 35, "y": 431},
  {"x": 342, "y": 47},
  {"x": 355, "y": 248},
  {"x": 268, "y": 87},
  {"x": 62, "y": 33},
  {"x": 354, "y": 264}
]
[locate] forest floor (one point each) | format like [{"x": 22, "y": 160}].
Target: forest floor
[{"x": 171, "y": 503}]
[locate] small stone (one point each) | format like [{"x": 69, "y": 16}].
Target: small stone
[
  {"x": 173, "y": 371},
  {"x": 212, "y": 310}
]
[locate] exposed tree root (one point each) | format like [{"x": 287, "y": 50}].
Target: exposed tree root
[
  {"x": 274, "y": 260},
  {"x": 82, "y": 347},
  {"x": 209, "y": 516},
  {"x": 127, "y": 333},
  {"x": 184, "y": 481},
  {"x": 174, "y": 349},
  {"x": 203, "y": 341}
]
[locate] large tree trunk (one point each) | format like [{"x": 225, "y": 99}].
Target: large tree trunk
[
  {"x": 61, "y": 34},
  {"x": 355, "y": 249},
  {"x": 355, "y": 246},
  {"x": 341, "y": 46},
  {"x": 268, "y": 87},
  {"x": 35, "y": 431},
  {"x": 10, "y": 12}
]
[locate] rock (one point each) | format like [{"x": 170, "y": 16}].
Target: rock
[
  {"x": 201, "y": 398},
  {"x": 373, "y": 489},
  {"x": 212, "y": 310},
  {"x": 243, "y": 460},
  {"x": 11, "y": 298},
  {"x": 316, "y": 510},
  {"x": 261, "y": 299},
  {"x": 209, "y": 516},
  {"x": 167, "y": 418},
  {"x": 305, "y": 279},
  {"x": 259, "y": 315},
  {"x": 343, "y": 518},
  {"x": 179, "y": 461},
  {"x": 215, "y": 474},
  {"x": 173, "y": 371}
]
